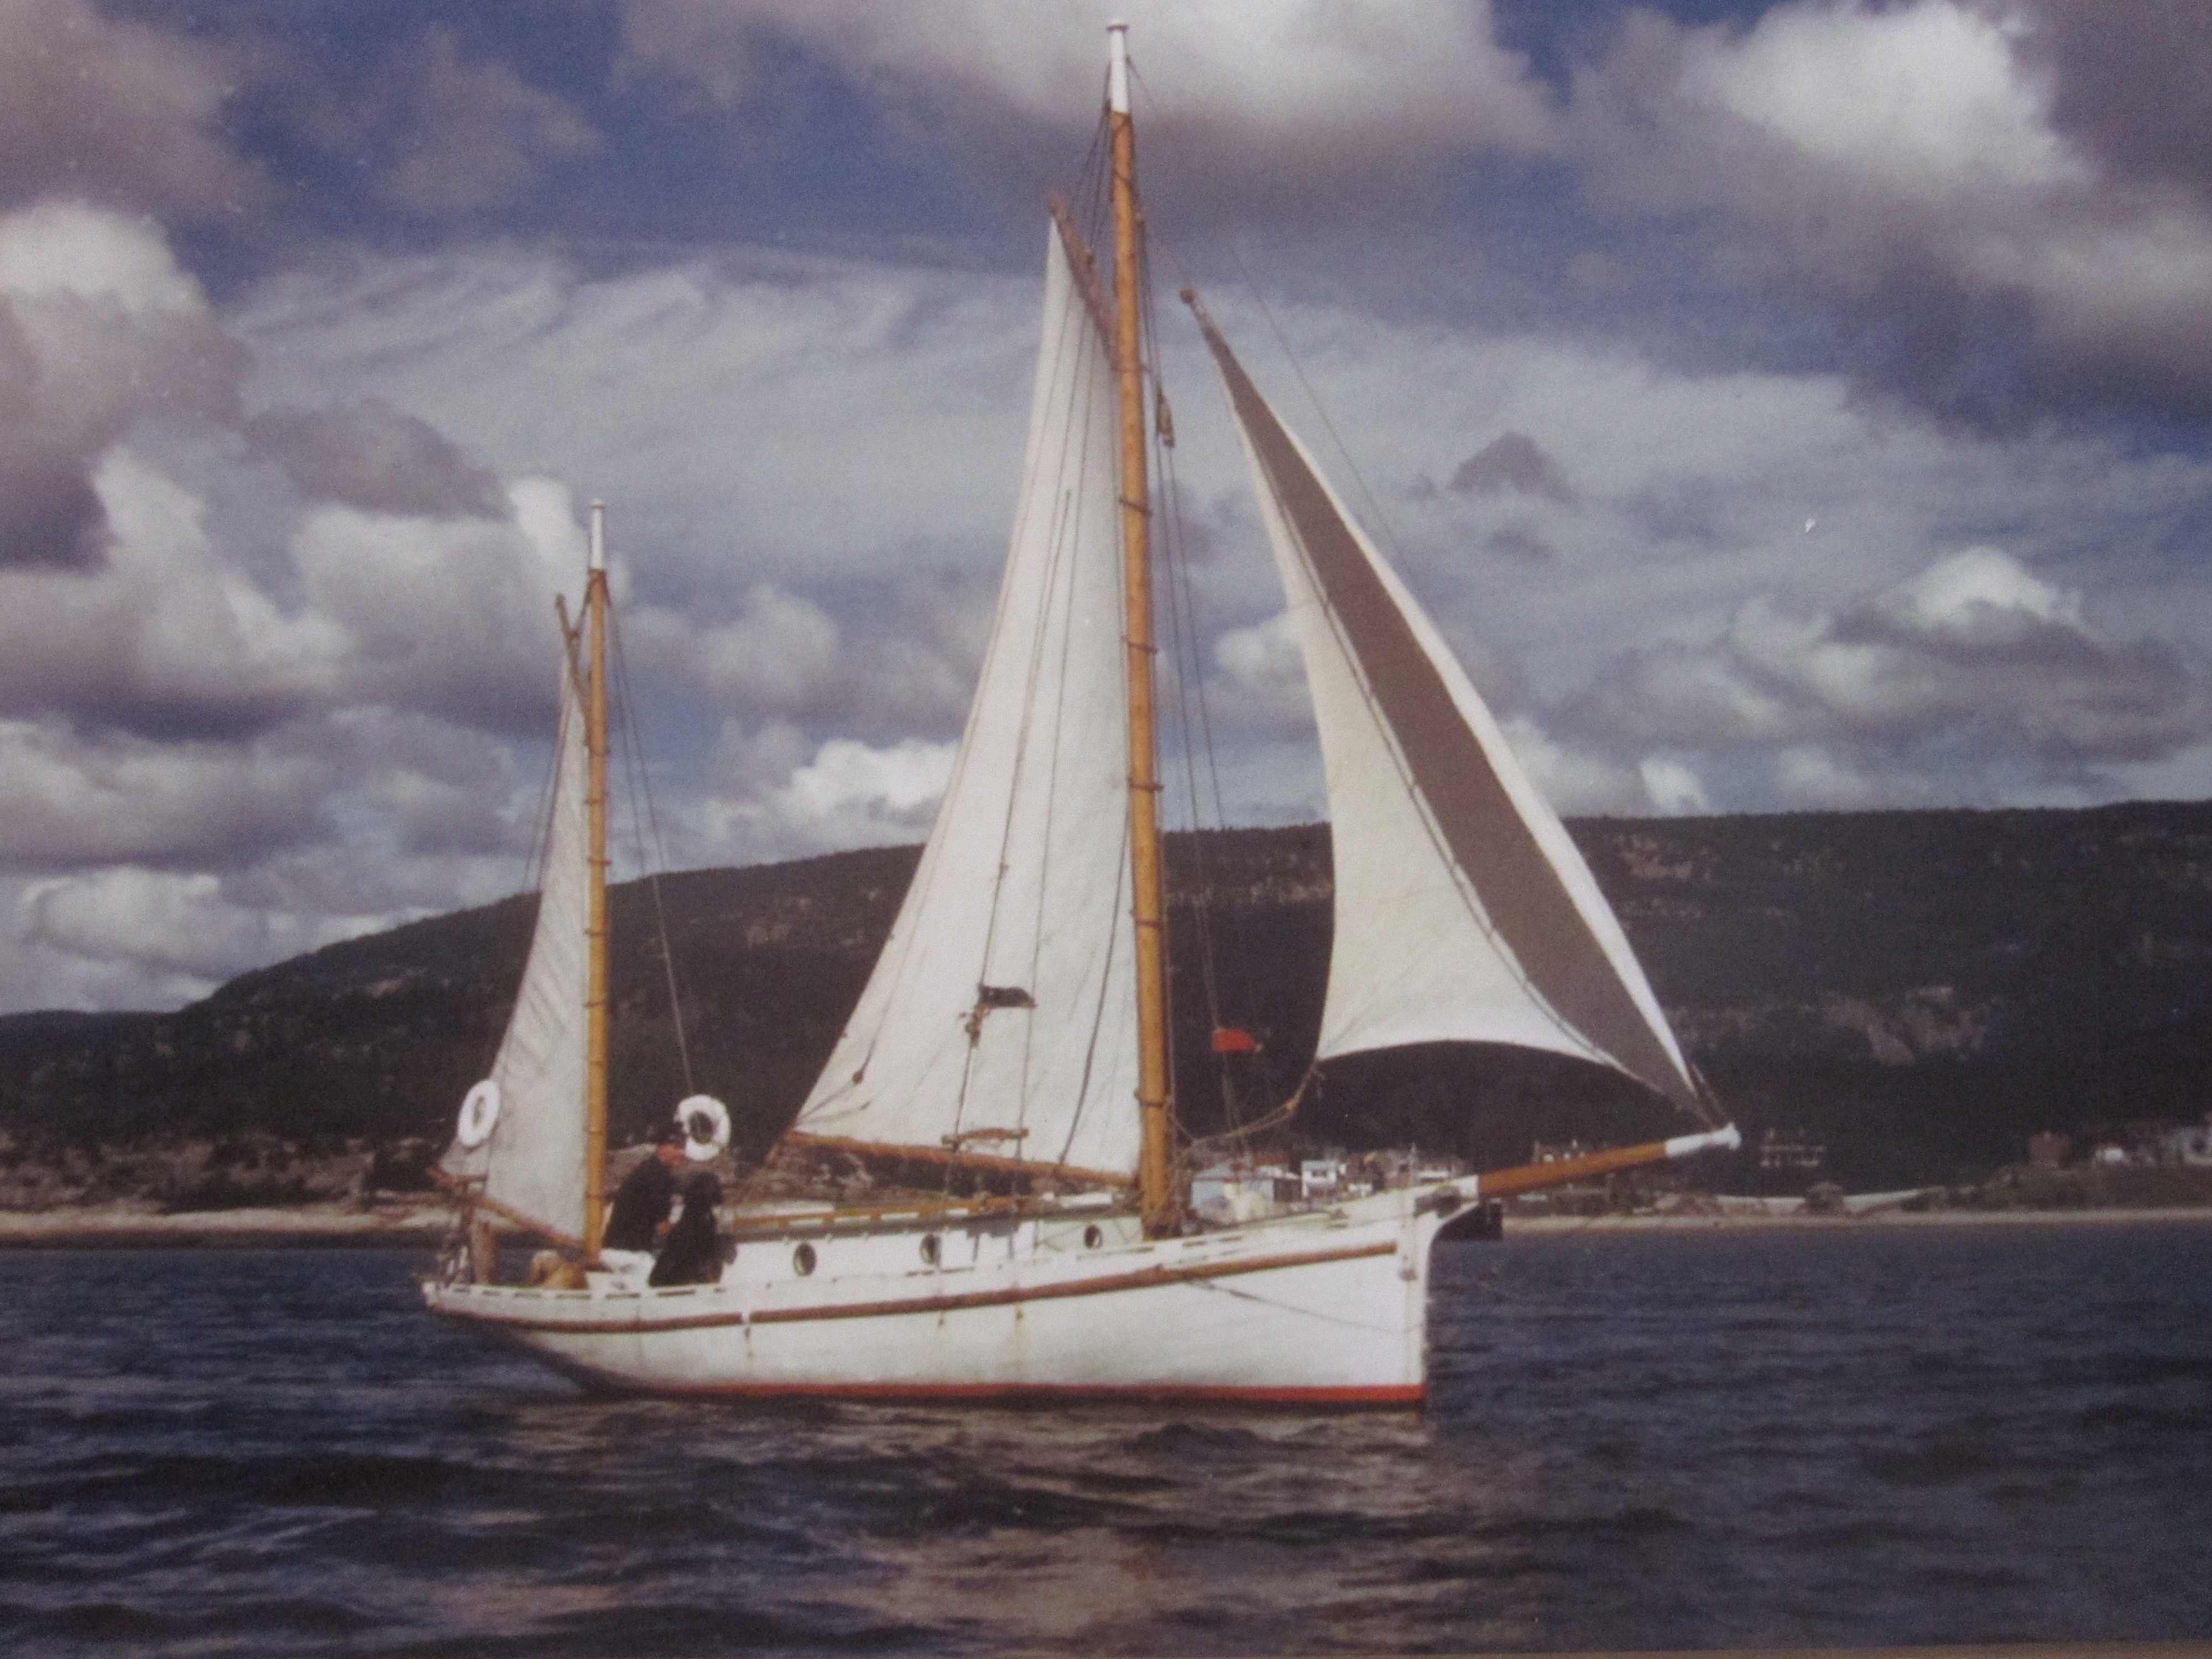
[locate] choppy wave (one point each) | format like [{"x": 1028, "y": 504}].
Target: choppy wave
[{"x": 1660, "y": 1441}]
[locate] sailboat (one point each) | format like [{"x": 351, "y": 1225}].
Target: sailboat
[{"x": 1015, "y": 1023}]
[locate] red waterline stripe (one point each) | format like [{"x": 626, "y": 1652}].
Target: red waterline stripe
[
  {"x": 1143, "y": 1278},
  {"x": 1390, "y": 1394}
]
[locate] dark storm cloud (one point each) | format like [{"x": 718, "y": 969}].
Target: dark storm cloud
[
  {"x": 49, "y": 514},
  {"x": 2133, "y": 84},
  {"x": 1999, "y": 208},
  {"x": 376, "y": 458},
  {"x": 1513, "y": 462},
  {"x": 116, "y": 112}
]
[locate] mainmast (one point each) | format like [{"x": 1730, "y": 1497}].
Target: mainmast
[
  {"x": 1155, "y": 1101},
  {"x": 595, "y": 926}
]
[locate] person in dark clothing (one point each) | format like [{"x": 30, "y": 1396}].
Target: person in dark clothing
[
  {"x": 640, "y": 1216},
  {"x": 693, "y": 1254}
]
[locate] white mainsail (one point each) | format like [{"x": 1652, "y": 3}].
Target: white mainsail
[
  {"x": 1001, "y": 1013},
  {"x": 1463, "y": 911},
  {"x": 532, "y": 1162}
]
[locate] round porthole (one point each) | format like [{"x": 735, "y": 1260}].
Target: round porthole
[
  {"x": 802, "y": 1259},
  {"x": 1092, "y": 1238},
  {"x": 931, "y": 1250}
]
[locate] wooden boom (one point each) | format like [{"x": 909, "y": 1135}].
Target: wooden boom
[{"x": 1557, "y": 1172}]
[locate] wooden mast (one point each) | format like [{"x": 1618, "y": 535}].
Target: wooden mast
[
  {"x": 595, "y": 926},
  {"x": 1161, "y": 1204}
]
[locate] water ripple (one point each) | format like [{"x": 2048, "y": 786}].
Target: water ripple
[{"x": 1663, "y": 1440}]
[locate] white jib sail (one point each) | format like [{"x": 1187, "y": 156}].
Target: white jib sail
[
  {"x": 1002, "y": 1011},
  {"x": 1463, "y": 910},
  {"x": 533, "y": 1161}
]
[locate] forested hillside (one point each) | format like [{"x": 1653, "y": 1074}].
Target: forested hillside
[{"x": 1920, "y": 991}]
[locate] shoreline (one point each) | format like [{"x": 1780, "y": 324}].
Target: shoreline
[
  {"x": 1875, "y": 1219},
  {"x": 120, "y": 1227},
  {"x": 421, "y": 1225}
]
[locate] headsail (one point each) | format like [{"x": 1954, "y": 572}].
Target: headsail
[
  {"x": 1463, "y": 911},
  {"x": 1000, "y": 1013},
  {"x": 532, "y": 1162}
]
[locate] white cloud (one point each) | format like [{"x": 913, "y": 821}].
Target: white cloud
[
  {"x": 182, "y": 864},
  {"x": 99, "y": 330},
  {"x": 187, "y": 628},
  {"x": 1261, "y": 678},
  {"x": 787, "y": 798},
  {"x": 853, "y": 795},
  {"x": 1304, "y": 83},
  {"x": 1673, "y": 787},
  {"x": 1951, "y": 682},
  {"x": 1810, "y": 777},
  {"x": 66, "y": 799},
  {"x": 453, "y": 616},
  {"x": 778, "y": 655},
  {"x": 159, "y": 922},
  {"x": 1981, "y": 594},
  {"x": 327, "y": 693},
  {"x": 757, "y": 417},
  {"x": 70, "y": 247},
  {"x": 1927, "y": 100},
  {"x": 1575, "y": 781}
]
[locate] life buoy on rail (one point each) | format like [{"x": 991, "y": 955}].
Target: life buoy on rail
[
  {"x": 479, "y": 1111},
  {"x": 705, "y": 1124}
]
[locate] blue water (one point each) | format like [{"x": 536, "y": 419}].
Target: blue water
[{"x": 1869, "y": 1436}]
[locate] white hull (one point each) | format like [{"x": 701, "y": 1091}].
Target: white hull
[{"x": 1322, "y": 1307}]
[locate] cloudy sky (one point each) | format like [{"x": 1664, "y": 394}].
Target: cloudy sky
[{"x": 1781, "y": 406}]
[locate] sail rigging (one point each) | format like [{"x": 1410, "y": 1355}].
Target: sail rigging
[
  {"x": 531, "y": 1163},
  {"x": 1463, "y": 910},
  {"x": 1001, "y": 1012},
  {"x": 1014, "y": 1023}
]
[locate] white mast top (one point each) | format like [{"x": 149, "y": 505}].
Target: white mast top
[
  {"x": 599, "y": 536},
  {"x": 1117, "y": 68}
]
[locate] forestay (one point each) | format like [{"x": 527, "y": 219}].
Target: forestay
[
  {"x": 533, "y": 1162},
  {"x": 1463, "y": 910},
  {"x": 1001, "y": 1015}
]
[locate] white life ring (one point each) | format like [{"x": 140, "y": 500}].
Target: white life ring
[
  {"x": 479, "y": 1111},
  {"x": 706, "y": 1125}
]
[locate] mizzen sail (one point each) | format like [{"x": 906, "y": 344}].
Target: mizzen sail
[
  {"x": 532, "y": 1162},
  {"x": 999, "y": 1019},
  {"x": 1463, "y": 911}
]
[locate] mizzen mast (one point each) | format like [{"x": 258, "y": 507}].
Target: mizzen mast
[
  {"x": 1155, "y": 1098},
  {"x": 595, "y": 929}
]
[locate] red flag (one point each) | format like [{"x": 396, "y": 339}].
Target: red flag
[{"x": 1228, "y": 1040}]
